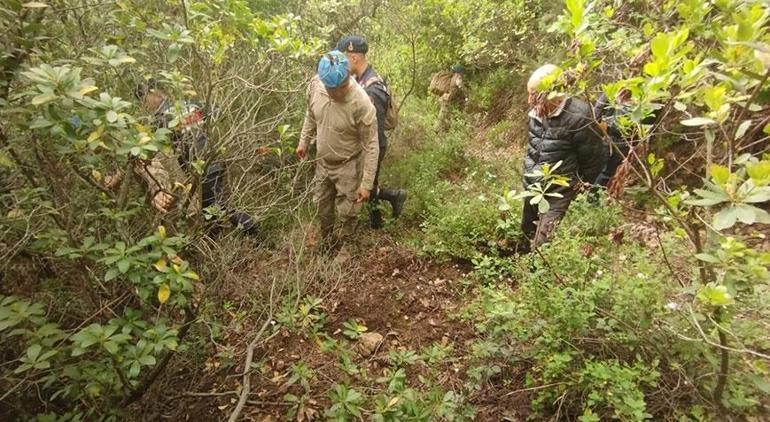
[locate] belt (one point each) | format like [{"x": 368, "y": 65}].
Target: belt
[{"x": 342, "y": 161}]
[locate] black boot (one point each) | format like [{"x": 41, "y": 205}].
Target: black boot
[{"x": 396, "y": 197}]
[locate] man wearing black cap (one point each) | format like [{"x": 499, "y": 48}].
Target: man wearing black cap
[{"x": 356, "y": 48}]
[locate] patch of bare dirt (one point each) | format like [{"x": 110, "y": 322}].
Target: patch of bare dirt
[{"x": 408, "y": 300}]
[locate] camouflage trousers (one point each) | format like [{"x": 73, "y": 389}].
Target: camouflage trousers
[{"x": 335, "y": 188}]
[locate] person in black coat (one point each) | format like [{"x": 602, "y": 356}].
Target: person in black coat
[
  {"x": 561, "y": 129},
  {"x": 356, "y": 48}
]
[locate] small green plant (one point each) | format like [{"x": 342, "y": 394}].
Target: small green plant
[
  {"x": 352, "y": 329},
  {"x": 401, "y": 358},
  {"x": 346, "y": 403},
  {"x": 302, "y": 374}
]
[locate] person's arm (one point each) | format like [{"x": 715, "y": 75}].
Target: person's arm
[
  {"x": 379, "y": 99},
  {"x": 158, "y": 182},
  {"x": 308, "y": 126},
  {"x": 367, "y": 132},
  {"x": 592, "y": 151}
]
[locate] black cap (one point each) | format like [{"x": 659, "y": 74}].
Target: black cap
[{"x": 353, "y": 44}]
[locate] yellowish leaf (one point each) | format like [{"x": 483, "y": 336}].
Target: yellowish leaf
[
  {"x": 162, "y": 232},
  {"x": 177, "y": 268},
  {"x": 96, "y": 175},
  {"x": 161, "y": 265},
  {"x": 87, "y": 90},
  {"x": 35, "y": 5},
  {"x": 163, "y": 293},
  {"x": 94, "y": 135},
  {"x": 393, "y": 402},
  {"x": 193, "y": 276}
]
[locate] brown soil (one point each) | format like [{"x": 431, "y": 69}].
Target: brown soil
[{"x": 410, "y": 300}]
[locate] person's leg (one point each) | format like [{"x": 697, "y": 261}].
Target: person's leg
[
  {"x": 375, "y": 213},
  {"x": 547, "y": 222},
  {"x": 347, "y": 180},
  {"x": 529, "y": 218},
  {"x": 442, "y": 124},
  {"x": 324, "y": 194}
]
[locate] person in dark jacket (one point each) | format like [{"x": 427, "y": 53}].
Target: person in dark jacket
[
  {"x": 561, "y": 129},
  {"x": 355, "y": 48},
  {"x": 621, "y": 144}
]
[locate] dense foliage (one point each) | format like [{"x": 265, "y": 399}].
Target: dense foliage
[{"x": 650, "y": 303}]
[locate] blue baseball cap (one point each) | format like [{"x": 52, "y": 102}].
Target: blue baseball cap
[{"x": 333, "y": 69}]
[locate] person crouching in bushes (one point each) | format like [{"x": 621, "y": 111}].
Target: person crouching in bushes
[{"x": 563, "y": 131}]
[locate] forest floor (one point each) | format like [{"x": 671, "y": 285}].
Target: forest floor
[{"x": 410, "y": 300}]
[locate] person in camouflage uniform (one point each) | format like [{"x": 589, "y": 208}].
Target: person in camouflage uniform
[
  {"x": 189, "y": 143},
  {"x": 343, "y": 122},
  {"x": 456, "y": 95}
]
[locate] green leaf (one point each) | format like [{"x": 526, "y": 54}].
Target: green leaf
[
  {"x": 112, "y": 116},
  {"x": 147, "y": 360},
  {"x": 111, "y": 347},
  {"x": 111, "y": 274},
  {"x": 708, "y": 258},
  {"x": 123, "y": 265},
  {"x": 720, "y": 174},
  {"x": 44, "y": 98},
  {"x": 543, "y": 206},
  {"x": 745, "y": 213},
  {"x": 715, "y": 295},
  {"x": 174, "y": 51},
  {"x": 742, "y": 129},
  {"x": 725, "y": 218},
  {"x": 33, "y": 352},
  {"x": 22, "y": 368}
]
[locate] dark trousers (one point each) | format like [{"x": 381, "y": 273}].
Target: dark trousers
[
  {"x": 619, "y": 152},
  {"x": 374, "y": 199},
  {"x": 537, "y": 228},
  {"x": 213, "y": 190}
]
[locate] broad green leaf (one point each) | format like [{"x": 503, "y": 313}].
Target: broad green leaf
[
  {"x": 44, "y": 98},
  {"x": 112, "y": 116},
  {"x": 147, "y": 360},
  {"x": 725, "y": 218},
  {"x": 111, "y": 347},
  {"x": 745, "y": 213},
  {"x": 123, "y": 265},
  {"x": 758, "y": 195},
  {"x": 33, "y": 352}
]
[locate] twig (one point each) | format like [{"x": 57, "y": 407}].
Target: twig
[
  {"x": 246, "y": 388},
  {"x": 540, "y": 387}
]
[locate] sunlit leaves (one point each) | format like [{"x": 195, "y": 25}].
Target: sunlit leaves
[{"x": 715, "y": 295}]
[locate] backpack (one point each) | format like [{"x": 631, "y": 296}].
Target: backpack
[
  {"x": 391, "y": 114},
  {"x": 439, "y": 83}
]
